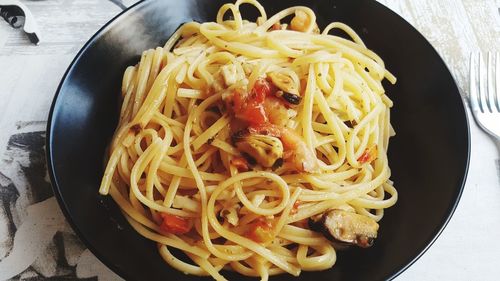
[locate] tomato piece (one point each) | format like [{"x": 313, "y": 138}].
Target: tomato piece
[
  {"x": 254, "y": 111},
  {"x": 368, "y": 155},
  {"x": 261, "y": 231},
  {"x": 261, "y": 89},
  {"x": 240, "y": 163},
  {"x": 175, "y": 224},
  {"x": 249, "y": 107},
  {"x": 364, "y": 157}
]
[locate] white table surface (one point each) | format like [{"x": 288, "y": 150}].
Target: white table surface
[{"x": 36, "y": 242}]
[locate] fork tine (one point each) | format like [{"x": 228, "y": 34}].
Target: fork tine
[
  {"x": 482, "y": 84},
  {"x": 473, "y": 90},
  {"x": 497, "y": 80},
  {"x": 490, "y": 100}
]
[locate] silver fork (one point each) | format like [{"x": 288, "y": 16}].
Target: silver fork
[{"x": 484, "y": 96}]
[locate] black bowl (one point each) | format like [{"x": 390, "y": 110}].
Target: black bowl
[{"x": 429, "y": 155}]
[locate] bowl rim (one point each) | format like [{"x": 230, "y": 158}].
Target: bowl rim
[{"x": 123, "y": 274}]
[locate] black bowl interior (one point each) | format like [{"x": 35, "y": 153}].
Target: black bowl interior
[{"x": 429, "y": 156}]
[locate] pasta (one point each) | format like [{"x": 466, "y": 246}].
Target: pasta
[{"x": 236, "y": 137}]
